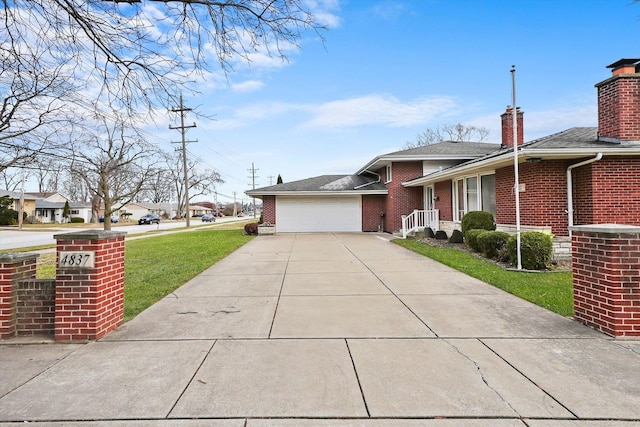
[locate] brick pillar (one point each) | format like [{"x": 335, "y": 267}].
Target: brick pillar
[
  {"x": 89, "y": 284},
  {"x": 13, "y": 268},
  {"x": 606, "y": 278}
]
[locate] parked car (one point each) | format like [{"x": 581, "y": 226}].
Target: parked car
[
  {"x": 114, "y": 219},
  {"x": 208, "y": 218},
  {"x": 149, "y": 219}
]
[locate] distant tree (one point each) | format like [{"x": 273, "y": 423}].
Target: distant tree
[
  {"x": 133, "y": 55},
  {"x": 8, "y": 215},
  {"x": 115, "y": 164},
  {"x": 279, "y": 181},
  {"x": 66, "y": 210},
  {"x": 449, "y": 132}
]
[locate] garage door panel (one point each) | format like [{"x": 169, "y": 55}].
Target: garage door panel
[{"x": 326, "y": 214}]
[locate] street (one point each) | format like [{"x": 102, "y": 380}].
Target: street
[{"x": 12, "y": 238}]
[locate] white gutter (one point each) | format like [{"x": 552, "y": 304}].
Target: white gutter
[
  {"x": 570, "y": 187},
  {"x": 369, "y": 183}
]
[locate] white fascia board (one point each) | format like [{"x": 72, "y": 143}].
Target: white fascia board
[
  {"x": 381, "y": 161},
  {"x": 507, "y": 158},
  {"x": 317, "y": 193}
]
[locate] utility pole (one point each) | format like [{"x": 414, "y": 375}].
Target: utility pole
[
  {"x": 253, "y": 185},
  {"x": 183, "y": 131},
  {"x": 271, "y": 177},
  {"x": 235, "y": 210}
]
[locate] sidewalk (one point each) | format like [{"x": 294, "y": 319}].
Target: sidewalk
[{"x": 330, "y": 330}]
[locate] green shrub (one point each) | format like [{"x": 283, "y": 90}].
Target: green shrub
[
  {"x": 536, "y": 250},
  {"x": 76, "y": 220},
  {"x": 477, "y": 219},
  {"x": 471, "y": 238},
  {"x": 493, "y": 244}
]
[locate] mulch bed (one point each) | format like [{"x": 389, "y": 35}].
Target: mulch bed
[{"x": 559, "y": 265}]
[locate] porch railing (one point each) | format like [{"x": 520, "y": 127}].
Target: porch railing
[{"x": 419, "y": 220}]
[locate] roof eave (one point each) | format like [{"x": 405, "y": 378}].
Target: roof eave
[
  {"x": 523, "y": 155},
  {"x": 315, "y": 193},
  {"x": 381, "y": 161}
]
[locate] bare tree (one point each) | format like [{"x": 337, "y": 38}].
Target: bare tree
[
  {"x": 449, "y": 132},
  {"x": 201, "y": 182},
  {"x": 10, "y": 179},
  {"x": 143, "y": 52},
  {"x": 133, "y": 56},
  {"x": 114, "y": 164}
]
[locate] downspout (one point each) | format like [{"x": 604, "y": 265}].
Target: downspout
[{"x": 570, "y": 187}]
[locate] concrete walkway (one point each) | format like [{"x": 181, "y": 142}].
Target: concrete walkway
[{"x": 330, "y": 330}]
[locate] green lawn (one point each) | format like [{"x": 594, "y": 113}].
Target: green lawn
[
  {"x": 553, "y": 291},
  {"x": 155, "y": 267}
]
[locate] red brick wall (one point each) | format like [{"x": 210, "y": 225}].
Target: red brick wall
[
  {"x": 35, "y": 307},
  {"x": 443, "y": 191},
  {"x": 402, "y": 200},
  {"x": 618, "y": 107},
  {"x": 607, "y": 191},
  {"x": 544, "y": 200},
  {"x": 372, "y": 207},
  {"x": 90, "y": 301},
  {"x": 269, "y": 209},
  {"x": 13, "y": 269},
  {"x": 606, "y": 279}
]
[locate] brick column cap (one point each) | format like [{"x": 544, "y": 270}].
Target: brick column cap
[
  {"x": 17, "y": 256},
  {"x": 90, "y": 235},
  {"x": 606, "y": 228}
]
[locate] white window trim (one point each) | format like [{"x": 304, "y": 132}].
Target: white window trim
[
  {"x": 388, "y": 174},
  {"x": 455, "y": 196}
]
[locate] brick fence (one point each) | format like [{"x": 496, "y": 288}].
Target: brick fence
[
  {"x": 84, "y": 302},
  {"x": 606, "y": 278}
]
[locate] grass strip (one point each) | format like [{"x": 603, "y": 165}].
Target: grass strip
[
  {"x": 553, "y": 291},
  {"x": 157, "y": 266}
]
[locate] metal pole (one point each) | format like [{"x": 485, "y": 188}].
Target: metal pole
[{"x": 514, "y": 112}]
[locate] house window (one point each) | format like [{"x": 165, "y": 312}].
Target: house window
[
  {"x": 474, "y": 193},
  {"x": 488, "y": 185},
  {"x": 388, "y": 173},
  {"x": 74, "y": 212}
]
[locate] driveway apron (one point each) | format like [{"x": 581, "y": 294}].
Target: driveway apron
[{"x": 330, "y": 330}]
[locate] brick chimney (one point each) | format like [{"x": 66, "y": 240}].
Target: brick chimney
[
  {"x": 507, "y": 127},
  {"x": 619, "y": 103}
]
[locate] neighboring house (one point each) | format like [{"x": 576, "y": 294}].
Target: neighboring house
[
  {"x": 138, "y": 209},
  {"x": 50, "y": 207},
  {"x": 577, "y": 176},
  {"x": 49, "y": 196},
  {"x": 29, "y": 201},
  {"x": 199, "y": 210}
]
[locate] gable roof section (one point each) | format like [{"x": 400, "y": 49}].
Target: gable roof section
[
  {"x": 330, "y": 185},
  {"x": 450, "y": 150},
  {"x": 573, "y": 143}
]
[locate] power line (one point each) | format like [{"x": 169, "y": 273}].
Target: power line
[{"x": 183, "y": 132}]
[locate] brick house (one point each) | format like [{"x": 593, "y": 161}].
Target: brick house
[{"x": 577, "y": 176}]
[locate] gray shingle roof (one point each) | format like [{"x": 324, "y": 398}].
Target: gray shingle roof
[
  {"x": 449, "y": 148},
  {"x": 326, "y": 183}
]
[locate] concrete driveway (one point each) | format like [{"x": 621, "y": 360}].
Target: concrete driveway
[{"x": 330, "y": 330}]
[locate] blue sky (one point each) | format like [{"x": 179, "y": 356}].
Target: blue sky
[{"x": 390, "y": 69}]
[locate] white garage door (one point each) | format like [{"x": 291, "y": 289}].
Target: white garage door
[{"x": 318, "y": 214}]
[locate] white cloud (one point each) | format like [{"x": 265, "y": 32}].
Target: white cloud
[
  {"x": 390, "y": 10},
  {"x": 377, "y": 110},
  {"x": 540, "y": 123},
  {"x": 339, "y": 115},
  {"x": 247, "y": 86},
  {"x": 323, "y": 12}
]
